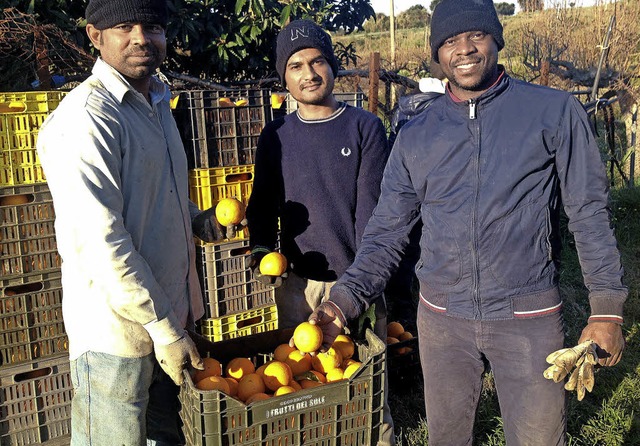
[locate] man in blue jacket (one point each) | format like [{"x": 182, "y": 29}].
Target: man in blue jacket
[{"x": 484, "y": 168}]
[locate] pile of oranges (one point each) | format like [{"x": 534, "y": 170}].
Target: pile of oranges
[
  {"x": 395, "y": 334},
  {"x": 290, "y": 369}
]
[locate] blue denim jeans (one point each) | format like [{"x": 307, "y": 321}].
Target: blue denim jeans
[
  {"x": 454, "y": 353},
  {"x": 123, "y": 402}
]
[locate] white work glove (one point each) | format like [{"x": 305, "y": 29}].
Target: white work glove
[{"x": 177, "y": 356}]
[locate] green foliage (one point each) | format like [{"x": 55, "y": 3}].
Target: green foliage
[
  {"x": 505, "y": 8},
  {"x": 433, "y": 4},
  {"x": 346, "y": 55}
]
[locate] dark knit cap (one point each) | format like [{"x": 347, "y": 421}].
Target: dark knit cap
[
  {"x": 105, "y": 14},
  {"x": 298, "y": 35},
  {"x": 452, "y": 17}
]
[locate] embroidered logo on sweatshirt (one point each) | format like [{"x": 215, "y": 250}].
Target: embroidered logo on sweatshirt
[{"x": 346, "y": 151}]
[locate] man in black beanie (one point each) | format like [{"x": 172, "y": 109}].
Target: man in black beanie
[
  {"x": 487, "y": 168},
  {"x": 317, "y": 176},
  {"x": 117, "y": 171}
]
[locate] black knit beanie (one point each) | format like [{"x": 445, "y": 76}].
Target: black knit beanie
[
  {"x": 298, "y": 35},
  {"x": 452, "y": 17},
  {"x": 105, "y": 14}
]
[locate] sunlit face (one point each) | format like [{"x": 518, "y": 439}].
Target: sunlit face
[
  {"x": 470, "y": 62},
  {"x": 135, "y": 50},
  {"x": 309, "y": 77}
]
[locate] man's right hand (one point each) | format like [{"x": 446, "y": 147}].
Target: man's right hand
[
  {"x": 330, "y": 319},
  {"x": 177, "y": 356}
]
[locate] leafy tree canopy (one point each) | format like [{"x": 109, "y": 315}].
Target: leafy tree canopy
[
  {"x": 223, "y": 40},
  {"x": 505, "y": 8}
]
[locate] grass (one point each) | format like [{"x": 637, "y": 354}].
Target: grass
[{"x": 610, "y": 416}]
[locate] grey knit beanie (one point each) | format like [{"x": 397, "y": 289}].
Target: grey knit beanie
[
  {"x": 298, "y": 35},
  {"x": 452, "y": 17},
  {"x": 105, "y": 14}
]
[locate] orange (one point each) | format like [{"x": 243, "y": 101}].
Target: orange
[
  {"x": 294, "y": 384},
  {"x": 260, "y": 370},
  {"x": 312, "y": 375},
  {"x": 344, "y": 345},
  {"x": 239, "y": 367},
  {"x": 249, "y": 385},
  {"x": 346, "y": 363},
  {"x": 298, "y": 362},
  {"x": 214, "y": 383},
  {"x": 282, "y": 352},
  {"x": 307, "y": 337},
  {"x": 230, "y": 211},
  {"x": 12, "y": 200},
  {"x": 257, "y": 397},
  {"x": 277, "y": 374},
  {"x": 335, "y": 374},
  {"x": 283, "y": 390},
  {"x": 225, "y": 102},
  {"x": 405, "y": 336},
  {"x": 212, "y": 367},
  {"x": 351, "y": 369},
  {"x": 391, "y": 340},
  {"x": 308, "y": 384},
  {"x": 394, "y": 329},
  {"x": 325, "y": 361},
  {"x": 273, "y": 264},
  {"x": 233, "y": 386}
]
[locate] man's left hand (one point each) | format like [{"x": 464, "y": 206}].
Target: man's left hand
[{"x": 609, "y": 339}]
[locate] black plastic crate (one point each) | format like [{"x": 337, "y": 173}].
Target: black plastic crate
[{"x": 221, "y": 128}]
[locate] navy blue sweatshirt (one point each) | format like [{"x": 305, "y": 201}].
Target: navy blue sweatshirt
[{"x": 321, "y": 178}]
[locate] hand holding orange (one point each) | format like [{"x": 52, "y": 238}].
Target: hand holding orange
[{"x": 273, "y": 264}]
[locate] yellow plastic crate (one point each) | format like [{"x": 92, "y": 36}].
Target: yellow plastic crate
[
  {"x": 30, "y": 101},
  {"x": 208, "y": 186},
  {"x": 19, "y": 162},
  {"x": 247, "y": 323}
]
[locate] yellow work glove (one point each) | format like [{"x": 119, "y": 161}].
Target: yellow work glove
[
  {"x": 581, "y": 359},
  {"x": 582, "y": 379},
  {"x": 563, "y": 360}
]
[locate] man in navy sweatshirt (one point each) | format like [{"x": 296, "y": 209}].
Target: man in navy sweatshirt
[{"x": 318, "y": 174}]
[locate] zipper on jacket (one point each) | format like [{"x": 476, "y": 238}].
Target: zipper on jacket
[{"x": 474, "y": 215}]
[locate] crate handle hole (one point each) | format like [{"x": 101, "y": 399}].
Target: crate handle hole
[
  {"x": 18, "y": 199},
  {"x": 250, "y": 321},
  {"x": 33, "y": 374},
  {"x": 23, "y": 289},
  {"x": 235, "y": 177}
]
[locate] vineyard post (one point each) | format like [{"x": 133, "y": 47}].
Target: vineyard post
[{"x": 374, "y": 77}]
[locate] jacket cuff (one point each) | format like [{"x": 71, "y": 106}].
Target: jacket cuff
[
  {"x": 164, "y": 331},
  {"x": 607, "y": 307},
  {"x": 346, "y": 303}
]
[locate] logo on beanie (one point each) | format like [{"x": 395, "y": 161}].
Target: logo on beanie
[{"x": 299, "y": 32}]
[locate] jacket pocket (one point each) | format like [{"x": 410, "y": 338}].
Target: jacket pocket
[
  {"x": 520, "y": 248},
  {"x": 440, "y": 259}
]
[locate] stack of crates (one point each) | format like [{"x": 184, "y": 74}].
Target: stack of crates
[
  {"x": 36, "y": 389},
  {"x": 220, "y": 131}
]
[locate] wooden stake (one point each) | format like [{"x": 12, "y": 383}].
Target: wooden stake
[{"x": 374, "y": 79}]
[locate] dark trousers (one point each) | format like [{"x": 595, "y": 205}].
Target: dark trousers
[{"x": 454, "y": 353}]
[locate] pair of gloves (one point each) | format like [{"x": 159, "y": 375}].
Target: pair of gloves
[
  {"x": 582, "y": 358},
  {"x": 253, "y": 262},
  {"x": 205, "y": 226}
]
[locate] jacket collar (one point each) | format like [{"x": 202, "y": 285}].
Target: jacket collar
[{"x": 495, "y": 90}]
